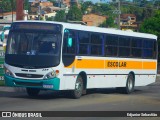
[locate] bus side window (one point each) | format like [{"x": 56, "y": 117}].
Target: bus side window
[
  {"x": 124, "y": 46},
  {"x": 97, "y": 44},
  {"x": 83, "y": 46},
  {"x": 111, "y": 45},
  {"x": 155, "y": 50},
  {"x": 136, "y": 47},
  {"x": 148, "y": 46}
]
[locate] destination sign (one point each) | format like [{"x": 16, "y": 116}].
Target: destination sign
[{"x": 36, "y": 26}]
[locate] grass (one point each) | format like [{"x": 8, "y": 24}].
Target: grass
[{"x": 1, "y": 82}]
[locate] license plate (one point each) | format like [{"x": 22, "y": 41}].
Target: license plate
[{"x": 47, "y": 86}]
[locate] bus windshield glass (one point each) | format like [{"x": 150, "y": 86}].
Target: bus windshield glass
[
  {"x": 35, "y": 46},
  {"x": 33, "y": 43}
]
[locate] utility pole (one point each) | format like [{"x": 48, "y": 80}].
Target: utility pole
[
  {"x": 1, "y": 10},
  {"x": 119, "y": 14},
  {"x": 19, "y": 10},
  {"x": 39, "y": 10},
  {"x": 12, "y": 9}
]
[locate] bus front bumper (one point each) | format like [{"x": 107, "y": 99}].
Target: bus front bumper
[{"x": 49, "y": 84}]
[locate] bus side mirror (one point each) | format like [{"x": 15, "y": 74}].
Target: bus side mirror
[
  {"x": 69, "y": 38},
  {"x": 69, "y": 42},
  {"x": 2, "y": 36}
]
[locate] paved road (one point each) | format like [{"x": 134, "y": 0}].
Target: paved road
[{"x": 143, "y": 99}]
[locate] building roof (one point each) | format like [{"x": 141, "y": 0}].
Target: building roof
[
  {"x": 94, "y": 15},
  {"x": 8, "y": 13},
  {"x": 46, "y": 4},
  {"x": 125, "y": 16}
]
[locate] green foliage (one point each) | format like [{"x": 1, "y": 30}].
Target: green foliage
[
  {"x": 1, "y": 83},
  {"x": 74, "y": 14},
  {"x": 50, "y": 19},
  {"x": 152, "y": 25},
  {"x": 60, "y": 16},
  {"x": 85, "y": 6},
  {"x": 7, "y": 5},
  {"x": 103, "y": 9},
  {"x": 110, "y": 22},
  {"x": 26, "y": 5}
]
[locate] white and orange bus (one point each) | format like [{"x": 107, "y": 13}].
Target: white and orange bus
[{"x": 44, "y": 55}]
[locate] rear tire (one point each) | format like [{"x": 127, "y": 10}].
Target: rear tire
[
  {"x": 77, "y": 92},
  {"x": 129, "y": 84},
  {"x": 32, "y": 92}
]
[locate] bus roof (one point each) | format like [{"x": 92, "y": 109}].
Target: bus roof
[{"x": 99, "y": 29}]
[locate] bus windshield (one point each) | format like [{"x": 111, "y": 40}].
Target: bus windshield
[
  {"x": 33, "y": 43},
  {"x": 36, "y": 46}
]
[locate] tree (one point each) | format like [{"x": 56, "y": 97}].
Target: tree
[
  {"x": 110, "y": 22},
  {"x": 60, "y": 16},
  {"x": 85, "y": 6},
  {"x": 152, "y": 25},
  {"x": 7, "y": 5},
  {"x": 74, "y": 14},
  {"x": 50, "y": 19}
]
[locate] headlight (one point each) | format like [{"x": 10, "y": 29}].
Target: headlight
[
  {"x": 52, "y": 74},
  {"x": 8, "y": 72}
]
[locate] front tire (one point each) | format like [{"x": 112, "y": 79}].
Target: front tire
[
  {"x": 77, "y": 92},
  {"x": 32, "y": 92}
]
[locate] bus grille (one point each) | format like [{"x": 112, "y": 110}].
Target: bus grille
[
  {"x": 27, "y": 84},
  {"x": 29, "y": 75}
]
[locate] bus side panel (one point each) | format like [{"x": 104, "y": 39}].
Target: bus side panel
[{"x": 69, "y": 79}]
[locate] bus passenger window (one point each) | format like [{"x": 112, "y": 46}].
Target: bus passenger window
[
  {"x": 83, "y": 46},
  {"x": 111, "y": 51},
  {"x": 124, "y": 47},
  {"x": 147, "y": 51},
  {"x": 96, "y": 44},
  {"x": 136, "y": 47},
  {"x": 111, "y": 45}
]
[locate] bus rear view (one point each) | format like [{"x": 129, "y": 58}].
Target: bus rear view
[{"x": 33, "y": 56}]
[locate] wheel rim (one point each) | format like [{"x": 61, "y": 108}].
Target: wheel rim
[
  {"x": 130, "y": 84},
  {"x": 78, "y": 88}
]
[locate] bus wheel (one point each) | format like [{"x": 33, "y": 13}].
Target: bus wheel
[
  {"x": 77, "y": 92},
  {"x": 130, "y": 84},
  {"x": 32, "y": 91}
]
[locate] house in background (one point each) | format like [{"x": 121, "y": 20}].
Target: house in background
[
  {"x": 42, "y": 10},
  {"x": 8, "y": 17},
  {"x": 93, "y": 19},
  {"x": 128, "y": 22}
]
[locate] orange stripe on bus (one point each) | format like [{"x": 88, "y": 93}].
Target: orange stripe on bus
[
  {"x": 112, "y": 64},
  {"x": 90, "y": 64},
  {"x": 149, "y": 65},
  {"x": 131, "y": 65}
]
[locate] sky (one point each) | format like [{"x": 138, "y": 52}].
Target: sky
[{"x": 94, "y": 1}]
